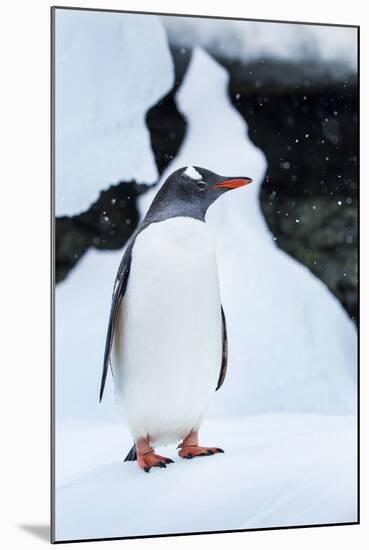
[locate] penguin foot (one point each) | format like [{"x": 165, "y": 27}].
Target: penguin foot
[
  {"x": 149, "y": 460},
  {"x": 192, "y": 451}
]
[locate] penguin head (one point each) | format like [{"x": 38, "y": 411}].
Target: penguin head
[{"x": 190, "y": 191}]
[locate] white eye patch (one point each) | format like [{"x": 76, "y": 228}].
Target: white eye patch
[{"x": 192, "y": 173}]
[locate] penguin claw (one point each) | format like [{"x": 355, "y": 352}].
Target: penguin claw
[{"x": 152, "y": 460}]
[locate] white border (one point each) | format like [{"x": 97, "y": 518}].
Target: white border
[{"x": 24, "y": 124}]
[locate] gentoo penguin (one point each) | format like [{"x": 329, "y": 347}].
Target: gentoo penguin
[{"x": 166, "y": 339}]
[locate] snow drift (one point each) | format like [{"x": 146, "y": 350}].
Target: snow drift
[
  {"x": 106, "y": 80},
  {"x": 252, "y": 40},
  {"x": 276, "y": 471}
]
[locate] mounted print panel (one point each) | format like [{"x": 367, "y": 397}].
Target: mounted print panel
[{"x": 205, "y": 186}]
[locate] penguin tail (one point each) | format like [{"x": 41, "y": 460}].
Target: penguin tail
[{"x": 132, "y": 455}]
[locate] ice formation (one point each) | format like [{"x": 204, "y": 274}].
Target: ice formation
[{"x": 106, "y": 80}]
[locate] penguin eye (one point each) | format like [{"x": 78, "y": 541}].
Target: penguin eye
[{"x": 201, "y": 185}]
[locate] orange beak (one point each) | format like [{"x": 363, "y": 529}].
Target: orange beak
[{"x": 233, "y": 183}]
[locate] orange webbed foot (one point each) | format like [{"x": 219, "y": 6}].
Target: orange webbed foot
[
  {"x": 192, "y": 451},
  {"x": 150, "y": 459}
]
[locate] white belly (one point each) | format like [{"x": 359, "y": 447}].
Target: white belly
[{"x": 167, "y": 346}]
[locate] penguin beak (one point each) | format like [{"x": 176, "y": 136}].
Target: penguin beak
[{"x": 232, "y": 183}]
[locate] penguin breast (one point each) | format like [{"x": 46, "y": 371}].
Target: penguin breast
[{"x": 168, "y": 355}]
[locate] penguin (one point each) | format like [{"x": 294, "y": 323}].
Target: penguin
[{"x": 166, "y": 340}]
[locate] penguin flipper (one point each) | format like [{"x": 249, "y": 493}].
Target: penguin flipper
[
  {"x": 223, "y": 368},
  {"x": 120, "y": 286}
]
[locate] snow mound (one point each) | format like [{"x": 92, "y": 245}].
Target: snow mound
[
  {"x": 292, "y": 347},
  {"x": 250, "y": 40},
  {"x": 110, "y": 69},
  {"x": 276, "y": 471},
  {"x": 82, "y": 306}
]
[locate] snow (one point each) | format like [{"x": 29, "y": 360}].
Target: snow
[
  {"x": 252, "y": 40},
  {"x": 284, "y": 414},
  {"x": 192, "y": 173},
  {"x": 82, "y": 306},
  {"x": 277, "y": 470},
  {"x": 106, "y": 80}
]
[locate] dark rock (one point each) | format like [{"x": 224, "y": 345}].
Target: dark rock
[
  {"x": 324, "y": 239},
  {"x": 106, "y": 225},
  {"x": 304, "y": 117}
]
